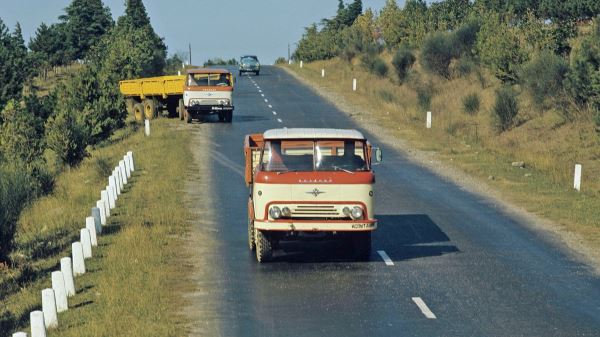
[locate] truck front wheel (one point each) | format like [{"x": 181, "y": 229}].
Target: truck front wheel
[
  {"x": 251, "y": 242},
  {"x": 361, "y": 245},
  {"x": 228, "y": 116},
  {"x": 181, "y": 109},
  {"x": 188, "y": 116},
  {"x": 150, "y": 109},
  {"x": 138, "y": 112},
  {"x": 264, "y": 246}
]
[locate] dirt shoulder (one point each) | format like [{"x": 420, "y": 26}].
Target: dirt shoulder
[{"x": 581, "y": 249}]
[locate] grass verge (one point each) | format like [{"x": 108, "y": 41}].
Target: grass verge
[
  {"x": 547, "y": 143},
  {"x": 134, "y": 278}
]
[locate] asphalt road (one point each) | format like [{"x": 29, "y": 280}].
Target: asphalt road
[{"x": 478, "y": 271}]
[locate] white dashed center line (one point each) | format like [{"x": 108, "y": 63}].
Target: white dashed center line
[
  {"x": 259, "y": 90},
  {"x": 275, "y": 113},
  {"x": 263, "y": 95},
  {"x": 266, "y": 100},
  {"x": 424, "y": 308},
  {"x": 279, "y": 120},
  {"x": 386, "y": 258},
  {"x": 270, "y": 106}
]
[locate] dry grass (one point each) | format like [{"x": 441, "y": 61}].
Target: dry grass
[
  {"x": 134, "y": 279},
  {"x": 548, "y": 144}
]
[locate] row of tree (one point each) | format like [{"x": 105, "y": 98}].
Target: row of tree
[{"x": 79, "y": 112}]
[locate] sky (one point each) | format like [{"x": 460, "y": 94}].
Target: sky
[{"x": 215, "y": 28}]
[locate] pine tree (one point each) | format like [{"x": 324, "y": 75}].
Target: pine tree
[
  {"x": 13, "y": 64},
  {"x": 86, "y": 22}
]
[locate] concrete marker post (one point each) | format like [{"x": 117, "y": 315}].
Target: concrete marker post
[
  {"x": 111, "y": 197},
  {"x": 127, "y": 168},
  {"x": 49, "y": 309},
  {"x": 86, "y": 243},
  {"x": 90, "y": 224},
  {"x": 78, "y": 260},
  {"x": 577, "y": 178},
  {"x": 119, "y": 178},
  {"x": 123, "y": 173},
  {"x": 428, "y": 123},
  {"x": 60, "y": 291},
  {"x": 130, "y": 154},
  {"x": 301, "y": 64},
  {"x": 97, "y": 219},
  {"x": 117, "y": 181},
  {"x": 67, "y": 270},
  {"x": 112, "y": 184},
  {"x": 100, "y": 206},
  {"x": 37, "y": 323},
  {"x": 147, "y": 127},
  {"x": 104, "y": 198},
  {"x": 354, "y": 84},
  {"x": 322, "y": 72},
  {"x": 19, "y": 334}
]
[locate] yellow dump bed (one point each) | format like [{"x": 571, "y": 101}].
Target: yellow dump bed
[{"x": 153, "y": 86}]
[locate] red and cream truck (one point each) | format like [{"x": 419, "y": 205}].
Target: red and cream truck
[{"x": 310, "y": 182}]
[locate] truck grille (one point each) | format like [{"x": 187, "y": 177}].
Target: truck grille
[{"x": 315, "y": 211}]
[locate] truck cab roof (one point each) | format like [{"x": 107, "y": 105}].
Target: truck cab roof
[
  {"x": 312, "y": 133},
  {"x": 207, "y": 71}
]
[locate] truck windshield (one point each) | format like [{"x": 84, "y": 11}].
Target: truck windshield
[
  {"x": 309, "y": 155},
  {"x": 205, "y": 80}
]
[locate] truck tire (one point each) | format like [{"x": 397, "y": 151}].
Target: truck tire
[
  {"x": 222, "y": 117},
  {"x": 150, "y": 109},
  {"x": 228, "y": 116},
  {"x": 138, "y": 112},
  {"x": 251, "y": 242},
  {"x": 181, "y": 109},
  {"x": 264, "y": 247},
  {"x": 257, "y": 72},
  {"x": 361, "y": 245},
  {"x": 188, "y": 116}
]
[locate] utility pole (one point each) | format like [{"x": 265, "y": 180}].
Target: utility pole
[
  {"x": 190, "y": 48},
  {"x": 288, "y": 51}
]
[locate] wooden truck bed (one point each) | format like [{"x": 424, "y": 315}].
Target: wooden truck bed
[
  {"x": 163, "y": 86},
  {"x": 252, "y": 146}
]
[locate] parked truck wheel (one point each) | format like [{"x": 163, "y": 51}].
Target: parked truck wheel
[
  {"x": 264, "y": 247},
  {"x": 228, "y": 116},
  {"x": 256, "y": 73},
  {"x": 138, "y": 112},
  {"x": 251, "y": 242},
  {"x": 361, "y": 245},
  {"x": 188, "y": 116},
  {"x": 181, "y": 109},
  {"x": 150, "y": 109},
  {"x": 222, "y": 117}
]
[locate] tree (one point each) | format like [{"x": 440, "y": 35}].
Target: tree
[
  {"x": 86, "y": 22},
  {"x": 13, "y": 64},
  {"x": 583, "y": 80},
  {"x": 65, "y": 136},
  {"x": 389, "y": 21},
  {"x": 20, "y": 140},
  {"x": 48, "y": 47}
]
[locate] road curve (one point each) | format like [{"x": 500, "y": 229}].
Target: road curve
[{"x": 456, "y": 265}]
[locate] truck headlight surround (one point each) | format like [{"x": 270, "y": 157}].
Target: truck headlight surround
[
  {"x": 357, "y": 213},
  {"x": 275, "y": 212}
]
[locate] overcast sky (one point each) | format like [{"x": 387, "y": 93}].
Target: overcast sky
[{"x": 215, "y": 28}]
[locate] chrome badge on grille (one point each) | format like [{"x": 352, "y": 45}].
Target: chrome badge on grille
[{"x": 315, "y": 192}]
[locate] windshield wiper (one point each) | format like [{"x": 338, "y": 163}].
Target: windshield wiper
[
  {"x": 337, "y": 168},
  {"x": 286, "y": 171}
]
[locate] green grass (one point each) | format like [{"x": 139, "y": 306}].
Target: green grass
[
  {"x": 548, "y": 144},
  {"x": 134, "y": 279}
]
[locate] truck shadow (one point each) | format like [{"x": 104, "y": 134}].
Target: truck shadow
[{"x": 402, "y": 237}]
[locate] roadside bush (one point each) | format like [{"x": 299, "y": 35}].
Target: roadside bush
[
  {"x": 471, "y": 104},
  {"x": 65, "y": 136},
  {"x": 583, "y": 79},
  {"x": 379, "y": 67},
  {"x": 15, "y": 190},
  {"x": 280, "y": 60},
  {"x": 462, "y": 67},
  {"x": 424, "y": 96},
  {"x": 543, "y": 76},
  {"x": 465, "y": 37},
  {"x": 403, "y": 61},
  {"x": 437, "y": 53},
  {"x": 505, "y": 109},
  {"x": 386, "y": 96}
]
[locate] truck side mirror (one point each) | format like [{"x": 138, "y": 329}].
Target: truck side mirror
[{"x": 377, "y": 155}]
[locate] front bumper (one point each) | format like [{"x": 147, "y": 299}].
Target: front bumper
[
  {"x": 209, "y": 109},
  {"x": 316, "y": 225},
  {"x": 249, "y": 69}
]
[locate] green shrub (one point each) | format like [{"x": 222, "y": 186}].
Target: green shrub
[
  {"x": 280, "y": 60},
  {"x": 403, "y": 61},
  {"x": 65, "y": 136},
  {"x": 463, "y": 67},
  {"x": 424, "y": 96},
  {"x": 379, "y": 67},
  {"x": 437, "y": 53},
  {"x": 505, "y": 109},
  {"x": 543, "y": 76},
  {"x": 465, "y": 37},
  {"x": 471, "y": 104},
  {"x": 583, "y": 79},
  {"x": 15, "y": 191},
  {"x": 597, "y": 117},
  {"x": 387, "y": 96}
]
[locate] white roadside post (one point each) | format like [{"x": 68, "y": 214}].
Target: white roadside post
[
  {"x": 117, "y": 180},
  {"x": 49, "y": 309},
  {"x": 123, "y": 173},
  {"x": 90, "y": 224},
  {"x": 104, "y": 198},
  {"x": 97, "y": 219},
  {"x": 86, "y": 243},
  {"x": 112, "y": 182},
  {"x": 127, "y": 168},
  {"x": 60, "y": 291},
  {"x": 67, "y": 270},
  {"x": 354, "y": 84},
  {"x": 100, "y": 206},
  {"x": 130, "y": 154},
  {"x": 301, "y": 64},
  {"x": 37, "y": 322},
  {"x": 147, "y": 127},
  {"x": 322, "y": 72},
  {"x": 78, "y": 260},
  {"x": 428, "y": 123},
  {"x": 577, "y": 178},
  {"x": 111, "y": 197},
  {"x": 19, "y": 334}
]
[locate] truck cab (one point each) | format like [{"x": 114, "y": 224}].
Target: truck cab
[
  {"x": 208, "y": 92},
  {"x": 310, "y": 182}
]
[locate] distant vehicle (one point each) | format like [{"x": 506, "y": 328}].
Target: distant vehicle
[
  {"x": 198, "y": 92},
  {"x": 249, "y": 64},
  {"x": 315, "y": 183}
]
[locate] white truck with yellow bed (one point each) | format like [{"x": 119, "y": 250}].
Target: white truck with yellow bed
[{"x": 310, "y": 182}]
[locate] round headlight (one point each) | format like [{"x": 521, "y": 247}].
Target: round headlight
[
  {"x": 275, "y": 212},
  {"x": 286, "y": 212},
  {"x": 347, "y": 211},
  {"x": 357, "y": 213}
]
